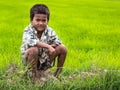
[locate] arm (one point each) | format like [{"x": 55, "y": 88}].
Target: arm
[{"x": 47, "y": 46}]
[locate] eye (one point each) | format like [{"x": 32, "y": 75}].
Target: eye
[
  {"x": 37, "y": 20},
  {"x": 44, "y": 20}
]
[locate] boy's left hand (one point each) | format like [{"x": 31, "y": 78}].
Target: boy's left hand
[{"x": 53, "y": 45}]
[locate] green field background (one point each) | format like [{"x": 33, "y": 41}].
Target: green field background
[{"x": 90, "y": 29}]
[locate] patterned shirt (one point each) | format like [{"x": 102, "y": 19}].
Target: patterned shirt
[{"x": 30, "y": 38}]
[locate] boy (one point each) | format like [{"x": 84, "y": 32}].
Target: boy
[{"x": 40, "y": 44}]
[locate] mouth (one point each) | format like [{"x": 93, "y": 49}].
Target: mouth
[{"x": 40, "y": 28}]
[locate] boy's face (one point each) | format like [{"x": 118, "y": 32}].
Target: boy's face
[{"x": 39, "y": 22}]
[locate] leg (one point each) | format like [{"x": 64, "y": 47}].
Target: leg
[
  {"x": 61, "y": 52},
  {"x": 32, "y": 59}
]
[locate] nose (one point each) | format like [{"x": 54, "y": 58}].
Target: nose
[{"x": 40, "y": 22}]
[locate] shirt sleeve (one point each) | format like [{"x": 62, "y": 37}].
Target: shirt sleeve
[
  {"x": 29, "y": 38},
  {"x": 55, "y": 39}
]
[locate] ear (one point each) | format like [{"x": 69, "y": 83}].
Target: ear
[{"x": 30, "y": 20}]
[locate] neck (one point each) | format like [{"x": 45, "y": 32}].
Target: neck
[{"x": 39, "y": 34}]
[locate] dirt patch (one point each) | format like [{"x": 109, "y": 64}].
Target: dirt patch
[{"x": 13, "y": 73}]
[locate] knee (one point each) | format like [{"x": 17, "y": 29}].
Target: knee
[
  {"x": 63, "y": 49},
  {"x": 32, "y": 51}
]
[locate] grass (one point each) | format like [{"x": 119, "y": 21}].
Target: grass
[{"x": 89, "y": 29}]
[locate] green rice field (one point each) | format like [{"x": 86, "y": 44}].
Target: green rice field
[{"x": 90, "y": 29}]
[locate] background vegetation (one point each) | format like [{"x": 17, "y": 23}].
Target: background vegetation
[{"x": 89, "y": 28}]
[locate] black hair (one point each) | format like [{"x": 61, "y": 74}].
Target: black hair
[{"x": 39, "y": 9}]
